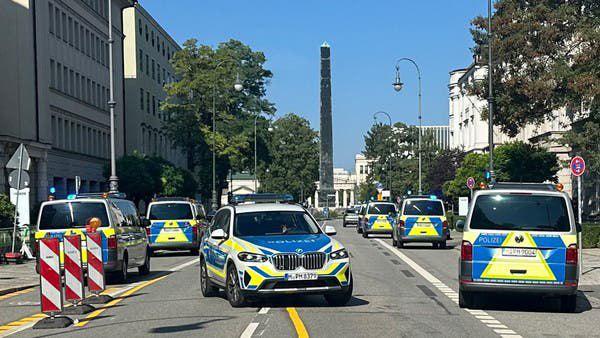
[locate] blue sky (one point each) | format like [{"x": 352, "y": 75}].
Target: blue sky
[{"x": 366, "y": 38}]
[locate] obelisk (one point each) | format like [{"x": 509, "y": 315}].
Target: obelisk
[{"x": 326, "y": 163}]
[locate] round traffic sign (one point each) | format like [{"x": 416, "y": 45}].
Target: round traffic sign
[
  {"x": 13, "y": 177},
  {"x": 470, "y": 183},
  {"x": 577, "y": 166}
]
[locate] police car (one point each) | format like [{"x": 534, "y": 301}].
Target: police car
[
  {"x": 174, "y": 224},
  {"x": 377, "y": 218},
  {"x": 261, "y": 246},
  {"x": 520, "y": 238},
  {"x": 422, "y": 219}
]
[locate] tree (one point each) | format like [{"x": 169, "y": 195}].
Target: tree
[
  {"x": 443, "y": 168},
  {"x": 7, "y": 211},
  {"x": 524, "y": 162},
  {"x": 294, "y": 150},
  {"x": 473, "y": 165},
  {"x": 546, "y": 57},
  {"x": 177, "y": 182},
  {"x": 202, "y": 71}
]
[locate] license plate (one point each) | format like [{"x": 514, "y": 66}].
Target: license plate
[
  {"x": 301, "y": 276},
  {"x": 171, "y": 229},
  {"x": 425, "y": 225},
  {"x": 518, "y": 252}
]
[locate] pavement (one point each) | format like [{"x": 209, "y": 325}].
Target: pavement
[
  {"x": 15, "y": 277},
  {"x": 398, "y": 292}
]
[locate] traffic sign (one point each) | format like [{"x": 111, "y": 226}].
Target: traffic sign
[
  {"x": 13, "y": 179},
  {"x": 577, "y": 166},
  {"x": 15, "y": 160},
  {"x": 379, "y": 186},
  {"x": 470, "y": 183}
]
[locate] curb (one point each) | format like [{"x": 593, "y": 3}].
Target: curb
[{"x": 18, "y": 288}]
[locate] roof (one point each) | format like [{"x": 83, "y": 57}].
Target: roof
[{"x": 263, "y": 207}]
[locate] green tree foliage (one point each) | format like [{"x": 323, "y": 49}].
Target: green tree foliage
[
  {"x": 473, "y": 165},
  {"x": 294, "y": 150},
  {"x": 366, "y": 191},
  {"x": 202, "y": 71},
  {"x": 442, "y": 168},
  {"x": 546, "y": 57},
  {"x": 7, "y": 211}
]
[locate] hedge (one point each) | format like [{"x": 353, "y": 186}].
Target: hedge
[{"x": 591, "y": 235}]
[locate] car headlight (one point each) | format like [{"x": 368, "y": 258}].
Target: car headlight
[
  {"x": 340, "y": 254},
  {"x": 251, "y": 257}
]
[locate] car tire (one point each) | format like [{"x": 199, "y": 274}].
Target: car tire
[
  {"x": 207, "y": 288},
  {"x": 340, "y": 299},
  {"x": 394, "y": 241},
  {"x": 442, "y": 245},
  {"x": 400, "y": 244},
  {"x": 435, "y": 245},
  {"x": 568, "y": 303},
  {"x": 123, "y": 274},
  {"x": 195, "y": 252},
  {"x": 365, "y": 234},
  {"x": 232, "y": 288},
  {"x": 358, "y": 229},
  {"x": 145, "y": 269},
  {"x": 465, "y": 299}
]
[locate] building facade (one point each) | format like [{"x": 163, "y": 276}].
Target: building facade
[
  {"x": 469, "y": 133},
  {"x": 343, "y": 194},
  {"x": 362, "y": 168},
  {"x": 148, "y": 49},
  {"x": 54, "y": 94},
  {"x": 441, "y": 135}
]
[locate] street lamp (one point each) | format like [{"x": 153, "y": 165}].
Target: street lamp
[
  {"x": 390, "y": 146},
  {"x": 398, "y": 85},
  {"x": 490, "y": 95},
  {"x": 113, "y": 180},
  {"x": 238, "y": 86}
]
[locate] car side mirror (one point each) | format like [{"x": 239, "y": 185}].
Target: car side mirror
[
  {"x": 218, "y": 234},
  {"x": 330, "y": 230},
  {"x": 578, "y": 227},
  {"x": 460, "y": 225},
  {"x": 145, "y": 222}
]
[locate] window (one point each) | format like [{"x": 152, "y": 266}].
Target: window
[
  {"x": 93, "y": 45},
  {"x": 87, "y": 42},
  {"x": 57, "y": 22},
  {"x": 52, "y": 74},
  {"x": 65, "y": 87},
  {"x": 163, "y": 48},
  {"x": 51, "y": 18},
  {"x": 97, "y": 48},
  {"x": 129, "y": 212},
  {"x": 76, "y": 37},
  {"x": 141, "y": 60},
  {"x": 153, "y": 105},
  {"x": 152, "y": 38},
  {"x": 71, "y": 31},
  {"x": 170, "y": 211},
  {"x": 71, "y": 82},
  {"x": 148, "y": 102},
  {"x": 64, "y": 26},
  {"x": 88, "y": 98},
  {"x": 153, "y": 70},
  {"x": 147, "y": 65},
  {"x": 158, "y": 72},
  {"x": 93, "y": 92},
  {"x": 81, "y": 39},
  {"x": 77, "y": 86},
  {"x": 163, "y": 76},
  {"x": 274, "y": 223},
  {"x": 140, "y": 26},
  {"x": 423, "y": 208},
  {"x": 72, "y": 215},
  {"x": 381, "y": 209},
  {"x": 142, "y": 99},
  {"x": 146, "y": 30}
]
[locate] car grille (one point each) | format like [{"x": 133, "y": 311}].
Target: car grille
[{"x": 292, "y": 261}]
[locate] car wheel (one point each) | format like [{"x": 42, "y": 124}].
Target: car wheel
[
  {"x": 206, "y": 286},
  {"x": 435, "y": 245},
  {"x": 442, "y": 245},
  {"x": 394, "y": 241},
  {"x": 400, "y": 244},
  {"x": 145, "y": 269},
  {"x": 123, "y": 274},
  {"x": 195, "y": 252},
  {"x": 568, "y": 303},
  {"x": 340, "y": 299},
  {"x": 365, "y": 234},
  {"x": 233, "y": 291},
  {"x": 465, "y": 299},
  {"x": 358, "y": 229}
]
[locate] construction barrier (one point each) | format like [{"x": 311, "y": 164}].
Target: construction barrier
[
  {"x": 96, "y": 278},
  {"x": 74, "y": 286},
  {"x": 50, "y": 280}
]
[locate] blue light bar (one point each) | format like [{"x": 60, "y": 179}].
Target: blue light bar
[
  {"x": 71, "y": 196},
  {"x": 262, "y": 198},
  {"x": 433, "y": 197}
]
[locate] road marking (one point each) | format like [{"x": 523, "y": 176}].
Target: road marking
[
  {"x": 298, "y": 324},
  {"x": 184, "y": 265},
  {"x": 480, "y": 315},
  {"x": 249, "y": 331},
  {"x": 264, "y": 310},
  {"x": 16, "y": 293},
  {"x": 115, "y": 301}
]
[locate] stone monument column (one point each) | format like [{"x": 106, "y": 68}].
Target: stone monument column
[{"x": 326, "y": 135}]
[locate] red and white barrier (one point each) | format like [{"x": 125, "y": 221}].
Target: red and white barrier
[
  {"x": 50, "y": 281},
  {"x": 74, "y": 286},
  {"x": 96, "y": 279}
]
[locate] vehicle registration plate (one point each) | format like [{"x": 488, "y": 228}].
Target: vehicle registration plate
[
  {"x": 301, "y": 276},
  {"x": 172, "y": 229},
  {"x": 425, "y": 225},
  {"x": 518, "y": 252}
]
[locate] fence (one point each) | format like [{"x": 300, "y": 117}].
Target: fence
[{"x": 6, "y": 241}]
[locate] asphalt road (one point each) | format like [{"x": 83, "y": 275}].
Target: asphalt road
[{"x": 408, "y": 292}]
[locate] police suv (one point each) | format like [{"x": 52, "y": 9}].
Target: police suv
[
  {"x": 520, "y": 238},
  {"x": 422, "y": 219},
  {"x": 261, "y": 246}
]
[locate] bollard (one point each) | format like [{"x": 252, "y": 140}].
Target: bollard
[
  {"x": 96, "y": 277},
  {"x": 74, "y": 287},
  {"x": 51, "y": 295}
]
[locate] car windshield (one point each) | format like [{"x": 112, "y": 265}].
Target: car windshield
[
  {"x": 351, "y": 211},
  {"x": 381, "y": 209},
  {"x": 423, "y": 208},
  {"x": 273, "y": 223},
  {"x": 170, "y": 211},
  {"x": 71, "y": 215},
  {"x": 520, "y": 212}
]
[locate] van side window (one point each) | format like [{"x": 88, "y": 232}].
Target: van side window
[{"x": 129, "y": 213}]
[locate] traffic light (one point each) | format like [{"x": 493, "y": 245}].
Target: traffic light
[{"x": 487, "y": 175}]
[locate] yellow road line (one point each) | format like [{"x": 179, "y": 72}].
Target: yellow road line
[
  {"x": 115, "y": 301},
  {"x": 298, "y": 324},
  {"x": 16, "y": 293}
]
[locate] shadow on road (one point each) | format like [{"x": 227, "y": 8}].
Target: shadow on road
[
  {"x": 162, "y": 253},
  {"x": 527, "y": 303},
  {"x": 186, "y": 327},
  {"x": 135, "y": 277},
  {"x": 300, "y": 301}
]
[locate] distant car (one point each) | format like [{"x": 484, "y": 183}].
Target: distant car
[
  {"x": 175, "y": 225},
  {"x": 350, "y": 216},
  {"x": 125, "y": 244},
  {"x": 520, "y": 238},
  {"x": 378, "y": 218},
  {"x": 266, "y": 248},
  {"x": 422, "y": 219}
]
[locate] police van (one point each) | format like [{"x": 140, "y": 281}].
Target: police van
[
  {"x": 175, "y": 224},
  {"x": 377, "y": 218},
  {"x": 422, "y": 219},
  {"x": 520, "y": 238}
]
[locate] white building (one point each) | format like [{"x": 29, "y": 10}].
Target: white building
[
  {"x": 441, "y": 135},
  {"x": 344, "y": 186},
  {"x": 147, "y": 51},
  {"x": 54, "y": 90},
  {"x": 469, "y": 133},
  {"x": 239, "y": 184},
  {"x": 362, "y": 168}
]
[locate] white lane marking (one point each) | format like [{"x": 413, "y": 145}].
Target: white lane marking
[
  {"x": 504, "y": 331},
  {"x": 264, "y": 310},
  {"x": 249, "y": 331},
  {"x": 184, "y": 265},
  {"x": 482, "y": 316}
]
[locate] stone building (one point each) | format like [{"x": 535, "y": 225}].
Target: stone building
[{"x": 54, "y": 93}]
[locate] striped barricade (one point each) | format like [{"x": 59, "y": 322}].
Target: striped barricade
[
  {"x": 74, "y": 288},
  {"x": 96, "y": 277}
]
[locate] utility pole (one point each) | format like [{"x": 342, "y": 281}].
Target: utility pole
[{"x": 490, "y": 95}]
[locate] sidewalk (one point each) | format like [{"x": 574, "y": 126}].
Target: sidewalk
[
  {"x": 17, "y": 277},
  {"x": 590, "y": 273}
]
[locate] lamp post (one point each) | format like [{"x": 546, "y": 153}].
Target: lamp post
[
  {"x": 398, "y": 87},
  {"x": 238, "y": 86},
  {"x": 490, "y": 95},
  {"x": 389, "y": 173}
]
